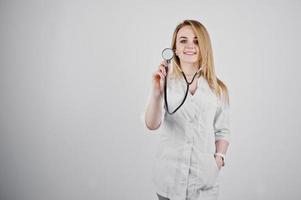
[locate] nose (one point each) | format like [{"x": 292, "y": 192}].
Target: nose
[{"x": 190, "y": 45}]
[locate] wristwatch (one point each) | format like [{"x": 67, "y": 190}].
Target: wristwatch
[{"x": 221, "y": 155}]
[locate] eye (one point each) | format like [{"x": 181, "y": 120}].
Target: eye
[
  {"x": 196, "y": 42},
  {"x": 183, "y": 41}
]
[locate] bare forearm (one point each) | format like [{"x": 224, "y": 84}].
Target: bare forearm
[
  {"x": 221, "y": 146},
  {"x": 153, "y": 113}
]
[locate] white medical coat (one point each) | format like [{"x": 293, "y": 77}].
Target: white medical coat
[{"x": 184, "y": 166}]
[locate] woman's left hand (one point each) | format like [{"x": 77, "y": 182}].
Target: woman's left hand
[{"x": 219, "y": 161}]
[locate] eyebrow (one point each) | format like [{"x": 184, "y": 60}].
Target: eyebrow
[{"x": 186, "y": 37}]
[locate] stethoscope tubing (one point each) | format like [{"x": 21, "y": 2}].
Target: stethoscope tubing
[{"x": 186, "y": 93}]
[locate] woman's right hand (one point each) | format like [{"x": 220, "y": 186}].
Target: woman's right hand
[{"x": 158, "y": 79}]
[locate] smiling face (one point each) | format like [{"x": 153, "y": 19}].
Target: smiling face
[{"x": 187, "y": 48}]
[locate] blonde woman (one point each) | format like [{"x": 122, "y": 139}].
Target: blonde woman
[{"x": 194, "y": 140}]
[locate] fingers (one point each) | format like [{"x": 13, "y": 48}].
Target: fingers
[
  {"x": 162, "y": 67},
  {"x": 161, "y": 72},
  {"x": 159, "y": 75}
]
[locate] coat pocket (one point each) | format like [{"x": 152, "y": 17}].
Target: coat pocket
[{"x": 208, "y": 171}]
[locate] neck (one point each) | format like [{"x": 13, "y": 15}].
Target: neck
[{"x": 189, "y": 69}]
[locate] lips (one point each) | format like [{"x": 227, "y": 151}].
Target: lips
[{"x": 189, "y": 52}]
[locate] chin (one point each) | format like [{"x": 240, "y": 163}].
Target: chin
[{"x": 190, "y": 61}]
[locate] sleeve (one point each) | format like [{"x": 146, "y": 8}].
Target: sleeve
[
  {"x": 222, "y": 121},
  {"x": 142, "y": 116}
]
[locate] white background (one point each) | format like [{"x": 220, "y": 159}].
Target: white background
[{"x": 75, "y": 77}]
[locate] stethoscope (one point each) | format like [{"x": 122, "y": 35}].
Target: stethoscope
[{"x": 168, "y": 54}]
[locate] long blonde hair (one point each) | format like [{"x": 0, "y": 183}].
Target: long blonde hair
[{"x": 205, "y": 60}]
